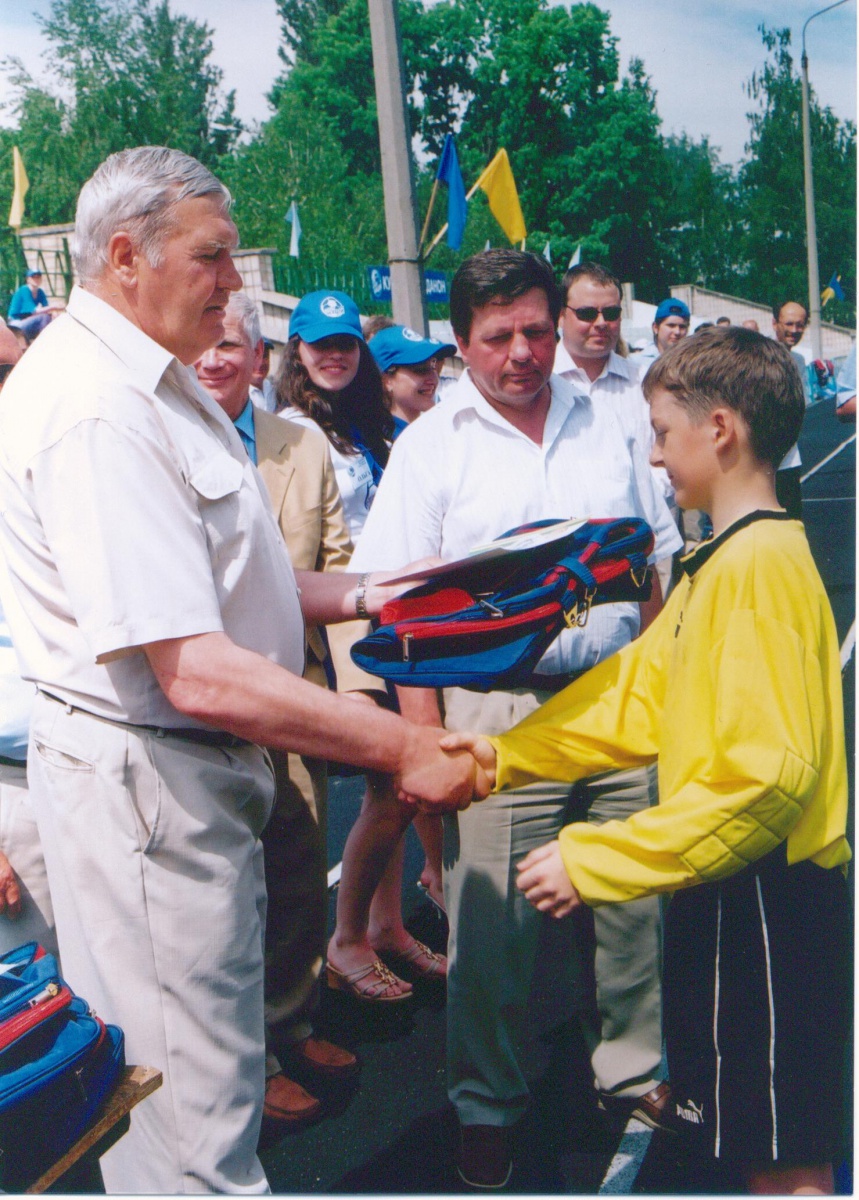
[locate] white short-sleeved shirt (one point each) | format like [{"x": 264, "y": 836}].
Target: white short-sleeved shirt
[
  {"x": 129, "y": 513},
  {"x": 618, "y": 386},
  {"x": 353, "y": 474},
  {"x": 463, "y": 475}
]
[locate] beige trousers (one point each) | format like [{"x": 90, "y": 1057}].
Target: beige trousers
[{"x": 153, "y": 855}]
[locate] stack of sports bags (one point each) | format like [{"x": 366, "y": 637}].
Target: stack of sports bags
[{"x": 58, "y": 1064}]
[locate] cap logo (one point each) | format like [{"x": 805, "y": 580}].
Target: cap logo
[
  {"x": 331, "y": 307},
  {"x": 411, "y": 336}
]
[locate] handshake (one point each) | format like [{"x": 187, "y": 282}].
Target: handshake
[{"x": 452, "y": 771}]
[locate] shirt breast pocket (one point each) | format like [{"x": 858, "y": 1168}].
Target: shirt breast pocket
[{"x": 217, "y": 486}]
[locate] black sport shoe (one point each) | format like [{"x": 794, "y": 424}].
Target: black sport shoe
[{"x": 484, "y": 1159}]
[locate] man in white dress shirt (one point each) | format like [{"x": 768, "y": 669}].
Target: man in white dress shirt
[
  {"x": 139, "y": 542},
  {"x": 789, "y": 322},
  {"x": 587, "y": 352},
  {"x": 511, "y": 443}
]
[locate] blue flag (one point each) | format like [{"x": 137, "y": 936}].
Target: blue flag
[
  {"x": 833, "y": 290},
  {"x": 457, "y": 206}
]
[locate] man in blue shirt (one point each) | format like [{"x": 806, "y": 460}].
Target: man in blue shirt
[{"x": 29, "y": 309}]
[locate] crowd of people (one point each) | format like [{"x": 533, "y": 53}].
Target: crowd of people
[{"x": 183, "y": 631}]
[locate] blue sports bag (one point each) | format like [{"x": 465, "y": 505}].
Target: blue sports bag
[
  {"x": 58, "y": 1064},
  {"x": 489, "y": 624}
]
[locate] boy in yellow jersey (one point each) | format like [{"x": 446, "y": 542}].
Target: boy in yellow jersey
[{"x": 735, "y": 690}]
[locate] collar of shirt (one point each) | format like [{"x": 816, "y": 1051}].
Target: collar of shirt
[
  {"x": 244, "y": 423},
  {"x": 145, "y": 359},
  {"x": 615, "y": 365},
  {"x": 465, "y": 396}
]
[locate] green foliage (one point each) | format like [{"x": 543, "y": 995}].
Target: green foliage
[
  {"x": 128, "y": 73},
  {"x": 773, "y": 263},
  {"x": 541, "y": 79}
]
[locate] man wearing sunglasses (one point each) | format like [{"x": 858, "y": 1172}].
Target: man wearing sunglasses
[
  {"x": 587, "y": 352},
  {"x": 623, "y": 1032}
]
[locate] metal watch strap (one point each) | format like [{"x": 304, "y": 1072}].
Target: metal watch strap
[{"x": 361, "y": 593}]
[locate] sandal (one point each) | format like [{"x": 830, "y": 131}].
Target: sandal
[
  {"x": 424, "y": 963},
  {"x": 379, "y": 981}
]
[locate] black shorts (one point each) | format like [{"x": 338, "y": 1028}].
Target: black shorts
[{"x": 757, "y": 1003}]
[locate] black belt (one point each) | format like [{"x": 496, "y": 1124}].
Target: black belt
[
  {"x": 200, "y": 737},
  {"x": 552, "y": 683}
]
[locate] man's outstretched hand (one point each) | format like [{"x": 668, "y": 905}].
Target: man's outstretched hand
[
  {"x": 437, "y": 780},
  {"x": 544, "y": 880}
]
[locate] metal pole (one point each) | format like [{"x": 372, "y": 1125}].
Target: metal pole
[
  {"x": 810, "y": 222},
  {"x": 407, "y": 286}
]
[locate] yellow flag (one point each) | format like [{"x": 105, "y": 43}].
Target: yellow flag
[
  {"x": 22, "y": 183},
  {"x": 500, "y": 187}
]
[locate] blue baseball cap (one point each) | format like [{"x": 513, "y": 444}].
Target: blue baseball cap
[
  {"x": 323, "y": 314},
  {"x": 399, "y": 346},
  {"x": 671, "y": 308},
  {"x": 33, "y": 271}
]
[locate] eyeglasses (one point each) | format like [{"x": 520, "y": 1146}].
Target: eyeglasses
[{"x": 611, "y": 312}]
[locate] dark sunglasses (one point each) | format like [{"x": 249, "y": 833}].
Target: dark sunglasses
[{"x": 611, "y": 313}]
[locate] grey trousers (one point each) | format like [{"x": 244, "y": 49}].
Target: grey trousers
[
  {"x": 494, "y": 935},
  {"x": 153, "y": 856}
]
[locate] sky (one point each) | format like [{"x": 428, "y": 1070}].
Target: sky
[{"x": 698, "y": 54}]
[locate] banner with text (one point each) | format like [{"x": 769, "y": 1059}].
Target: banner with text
[{"x": 435, "y": 284}]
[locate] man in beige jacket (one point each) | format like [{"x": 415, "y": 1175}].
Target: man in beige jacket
[{"x": 296, "y": 468}]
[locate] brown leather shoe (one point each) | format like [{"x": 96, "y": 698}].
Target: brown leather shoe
[
  {"x": 652, "y": 1109},
  {"x": 288, "y": 1102},
  {"x": 324, "y": 1058},
  {"x": 484, "y": 1159}
]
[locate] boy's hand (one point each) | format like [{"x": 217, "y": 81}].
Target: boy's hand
[
  {"x": 544, "y": 880},
  {"x": 482, "y": 750}
]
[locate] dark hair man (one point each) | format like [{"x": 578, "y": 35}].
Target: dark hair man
[{"x": 510, "y": 443}]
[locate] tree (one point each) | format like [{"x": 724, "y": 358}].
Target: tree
[
  {"x": 701, "y": 227},
  {"x": 127, "y": 72},
  {"x": 540, "y": 79},
  {"x": 773, "y": 262}
]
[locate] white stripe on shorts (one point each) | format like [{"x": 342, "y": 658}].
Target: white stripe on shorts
[{"x": 772, "y": 1017}]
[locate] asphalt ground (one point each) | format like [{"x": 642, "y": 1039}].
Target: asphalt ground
[{"x": 393, "y": 1131}]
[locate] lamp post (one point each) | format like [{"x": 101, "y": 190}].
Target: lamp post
[
  {"x": 407, "y": 291},
  {"x": 810, "y": 223}
]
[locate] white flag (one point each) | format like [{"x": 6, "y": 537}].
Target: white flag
[
  {"x": 292, "y": 217},
  {"x": 547, "y": 252},
  {"x": 576, "y": 259}
]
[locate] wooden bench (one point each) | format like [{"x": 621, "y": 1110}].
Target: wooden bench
[{"x": 136, "y": 1084}]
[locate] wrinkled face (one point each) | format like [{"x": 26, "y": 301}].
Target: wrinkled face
[
  {"x": 180, "y": 303},
  {"x": 411, "y": 390},
  {"x": 669, "y": 332},
  {"x": 684, "y": 448},
  {"x": 511, "y": 350},
  {"x": 590, "y": 338},
  {"x": 226, "y": 370},
  {"x": 332, "y": 362},
  {"x": 790, "y": 324}
]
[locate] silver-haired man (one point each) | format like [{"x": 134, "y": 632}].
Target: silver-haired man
[{"x": 139, "y": 544}]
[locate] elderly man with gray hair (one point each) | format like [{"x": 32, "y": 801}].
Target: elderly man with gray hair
[{"x": 159, "y": 615}]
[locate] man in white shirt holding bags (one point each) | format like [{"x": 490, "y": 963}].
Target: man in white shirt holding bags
[{"x": 512, "y": 443}]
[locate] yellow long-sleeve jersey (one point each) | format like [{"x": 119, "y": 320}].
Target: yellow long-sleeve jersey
[{"x": 735, "y": 690}]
